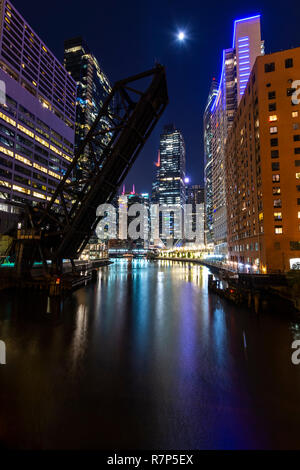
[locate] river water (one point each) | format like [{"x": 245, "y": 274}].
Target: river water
[{"x": 146, "y": 358}]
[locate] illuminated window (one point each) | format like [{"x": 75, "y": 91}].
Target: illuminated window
[
  {"x": 273, "y": 118},
  {"x": 298, "y": 176},
  {"x": 276, "y": 178},
  {"x": 295, "y": 114},
  {"x": 278, "y": 215},
  {"x": 273, "y": 130},
  {"x": 277, "y": 203},
  {"x": 261, "y": 216},
  {"x": 298, "y": 214},
  {"x": 278, "y": 229},
  {"x": 276, "y": 190}
]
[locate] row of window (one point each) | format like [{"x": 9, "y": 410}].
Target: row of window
[{"x": 270, "y": 67}]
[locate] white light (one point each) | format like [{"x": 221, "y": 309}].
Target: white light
[{"x": 181, "y": 36}]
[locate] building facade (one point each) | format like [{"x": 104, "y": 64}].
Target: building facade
[
  {"x": 170, "y": 186},
  {"x": 236, "y": 66},
  {"x": 92, "y": 87},
  {"x": 263, "y": 169},
  {"x": 195, "y": 197},
  {"x": 37, "y": 120},
  {"x": 208, "y": 162}
]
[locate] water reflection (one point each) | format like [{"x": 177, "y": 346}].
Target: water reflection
[{"x": 146, "y": 358}]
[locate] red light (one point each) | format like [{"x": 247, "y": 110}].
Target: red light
[{"x": 58, "y": 281}]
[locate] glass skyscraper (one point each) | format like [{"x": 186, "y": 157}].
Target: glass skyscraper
[
  {"x": 92, "y": 86},
  {"x": 208, "y": 134},
  {"x": 170, "y": 186}
]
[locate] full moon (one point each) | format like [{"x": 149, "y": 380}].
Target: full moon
[{"x": 181, "y": 36}]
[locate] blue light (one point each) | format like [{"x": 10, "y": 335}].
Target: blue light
[
  {"x": 239, "y": 21},
  {"x": 245, "y": 38},
  {"x": 220, "y": 83}
]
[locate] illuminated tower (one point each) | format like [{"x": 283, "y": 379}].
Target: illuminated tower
[
  {"x": 236, "y": 67},
  {"x": 208, "y": 134}
]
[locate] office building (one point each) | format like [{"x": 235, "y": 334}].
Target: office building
[
  {"x": 263, "y": 169},
  {"x": 208, "y": 162},
  {"x": 195, "y": 197},
  {"x": 170, "y": 188},
  {"x": 37, "y": 120},
  {"x": 92, "y": 88},
  {"x": 237, "y": 63}
]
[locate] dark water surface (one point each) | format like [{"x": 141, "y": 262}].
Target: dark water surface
[{"x": 146, "y": 359}]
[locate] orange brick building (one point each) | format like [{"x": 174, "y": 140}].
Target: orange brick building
[{"x": 263, "y": 168}]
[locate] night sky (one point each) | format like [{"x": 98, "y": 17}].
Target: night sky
[{"x": 127, "y": 37}]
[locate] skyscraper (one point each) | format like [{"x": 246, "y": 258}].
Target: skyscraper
[
  {"x": 37, "y": 120},
  {"x": 262, "y": 169},
  {"x": 236, "y": 66},
  {"x": 195, "y": 197},
  {"x": 208, "y": 162},
  {"x": 171, "y": 171},
  {"x": 92, "y": 86}
]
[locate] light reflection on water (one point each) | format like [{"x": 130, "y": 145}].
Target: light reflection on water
[{"x": 147, "y": 358}]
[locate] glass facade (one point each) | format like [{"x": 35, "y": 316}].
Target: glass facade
[
  {"x": 37, "y": 120},
  {"x": 92, "y": 87}
]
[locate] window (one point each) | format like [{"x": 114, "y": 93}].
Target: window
[
  {"x": 274, "y": 142},
  {"x": 297, "y": 150},
  {"x": 297, "y": 162},
  {"x": 273, "y": 118},
  {"x": 272, "y": 107},
  {"x": 273, "y": 130},
  {"x": 294, "y": 246},
  {"x": 290, "y": 91},
  {"x": 298, "y": 187},
  {"x": 277, "y": 203},
  {"x": 270, "y": 67},
  {"x": 298, "y": 214},
  {"x": 278, "y": 215},
  {"x": 278, "y": 229},
  {"x": 275, "y": 166},
  {"x": 298, "y": 201},
  {"x": 296, "y": 126},
  {"x": 298, "y": 176},
  {"x": 296, "y": 137},
  {"x": 272, "y": 95},
  {"x": 295, "y": 114},
  {"x": 275, "y": 178},
  {"x": 276, "y": 190},
  {"x": 275, "y": 153},
  {"x": 288, "y": 63}
]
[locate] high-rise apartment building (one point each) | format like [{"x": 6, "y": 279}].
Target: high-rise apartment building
[
  {"x": 208, "y": 162},
  {"x": 37, "y": 120},
  {"x": 236, "y": 66},
  {"x": 92, "y": 86},
  {"x": 263, "y": 168}
]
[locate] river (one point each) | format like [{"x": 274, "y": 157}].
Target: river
[{"x": 147, "y": 358}]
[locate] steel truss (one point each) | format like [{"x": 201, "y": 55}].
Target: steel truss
[{"x": 61, "y": 228}]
